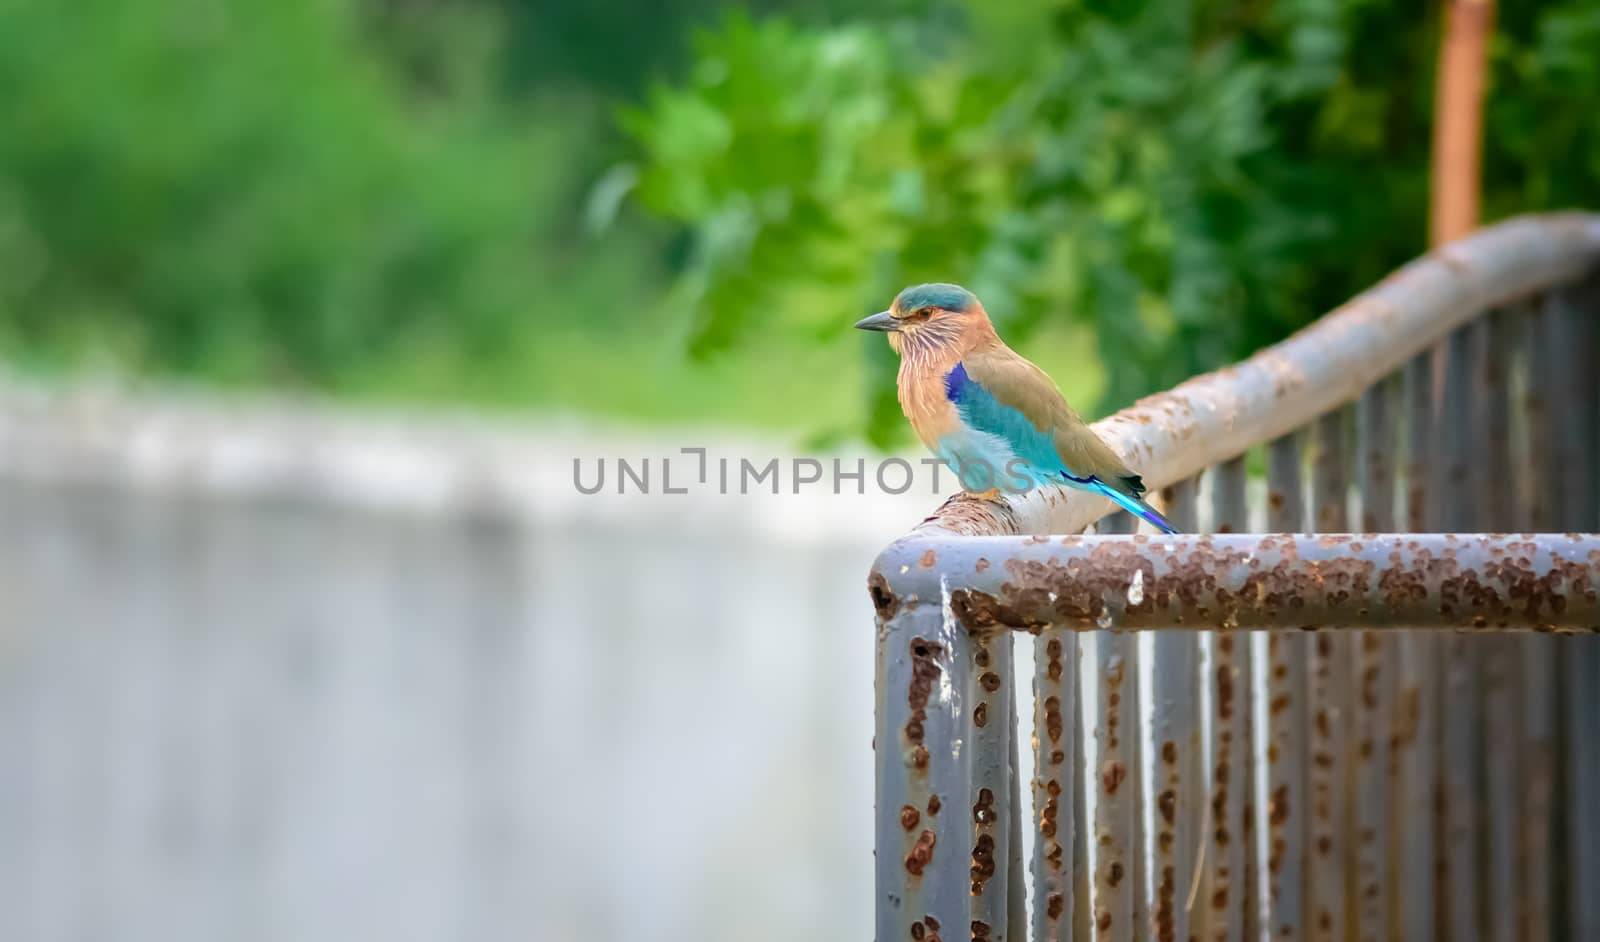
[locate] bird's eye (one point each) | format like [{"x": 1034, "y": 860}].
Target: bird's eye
[{"x": 922, "y": 313}]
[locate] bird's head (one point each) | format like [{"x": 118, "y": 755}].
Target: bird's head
[{"x": 928, "y": 315}]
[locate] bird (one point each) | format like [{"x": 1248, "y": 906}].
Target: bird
[{"x": 997, "y": 420}]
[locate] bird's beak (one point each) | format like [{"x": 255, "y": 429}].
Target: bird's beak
[{"x": 883, "y": 321}]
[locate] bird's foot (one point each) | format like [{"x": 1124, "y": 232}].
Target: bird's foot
[{"x": 992, "y": 495}]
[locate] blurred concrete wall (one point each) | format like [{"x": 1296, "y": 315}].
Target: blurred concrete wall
[{"x": 270, "y": 674}]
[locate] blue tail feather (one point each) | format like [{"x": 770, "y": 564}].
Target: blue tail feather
[{"x": 1137, "y": 507}]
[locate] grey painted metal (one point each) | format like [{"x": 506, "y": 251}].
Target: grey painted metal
[
  {"x": 1057, "y": 782},
  {"x": 987, "y": 730},
  {"x": 1573, "y": 366},
  {"x": 1374, "y": 773},
  {"x": 1228, "y": 879},
  {"x": 1575, "y": 378},
  {"x": 1420, "y": 444},
  {"x": 1581, "y": 665},
  {"x": 1535, "y": 676},
  {"x": 1542, "y": 487},
  {"x": 1493, "y": 508},
  {"x": 1536, "y": 807},
  {"x": 1082, "y": 875},
  {"x": 1016, "y": 867},
  {"x": 1415, "y": 717},
  {"x": 1287, "y": 798},
  {"x": 1329, "y": 706},
  {"x": 924, "y": 829},
  {"x": 1457, "y": 852},
  {"x": 1176, "y": 434},
  {"x": 1173, "y": 755},
  {"x": 1118, "y": 890}
]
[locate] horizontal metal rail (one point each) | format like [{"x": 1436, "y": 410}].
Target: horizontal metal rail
[
  {"x": 1215, "y": 417},
  {"x": 1286, "y": 582}
]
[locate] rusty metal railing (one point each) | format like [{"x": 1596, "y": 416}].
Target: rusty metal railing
[{"x": 1295, "y": 735}]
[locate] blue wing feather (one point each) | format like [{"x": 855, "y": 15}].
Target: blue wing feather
[{"x": 980, "y": 411}]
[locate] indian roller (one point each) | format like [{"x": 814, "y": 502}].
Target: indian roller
[{"x": 997, "y": 420}]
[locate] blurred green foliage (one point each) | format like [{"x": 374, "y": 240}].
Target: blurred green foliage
[
  {"x": 249, "y": 189},
  {"x": 374, "y": 197},
  {"x": 399, "y": 197},
  {"x": 1191, "y": 178}
]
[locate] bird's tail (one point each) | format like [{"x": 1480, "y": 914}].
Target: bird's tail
[{"x": 1137, "y": 507}]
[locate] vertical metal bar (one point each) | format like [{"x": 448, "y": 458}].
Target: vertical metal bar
[
  {"x": 1457, "y": 854},
  {"x": 1055, "y": 784},
  {"x": 1581, "y": 663},
  {"x": 923, "y": 829},
  {"x": 1082, "y": 876},
  {"x": 1572, "y": 400},
  {"x": 1418, "y": 381},
  {"x": 988, "y": 730},
  {"x": 1115, "y": 765},
  {"x": 1415, "y": 714},
  {"x": 1573, "y": 394},
  {"x": 1543, "y": 488},
  {"x": 1536, "y": 677},
  {"x": 1175, "y": 747},
  {"x": 1016, "y": 879},
  {"x": 1373, "y": 771},
  {"x": 1228, "y": 884},
  {"x": 1329, "y": 706},
  {"x": 1536, "y": 786},
  {"x": 1494, "y": 509},
  {"x": 1286, "y": 718}
]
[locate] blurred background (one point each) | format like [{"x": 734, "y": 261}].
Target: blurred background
[{"x": 308, "y": 307}]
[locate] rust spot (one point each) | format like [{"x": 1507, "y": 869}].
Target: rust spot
[
  {"x": 1167, "y": 802},
  {"x": 921, "y": 853},
  {"x": 983, "y": 808},
  {"x": 1169, "y": 752},
  {"x": 980, "y": 931},
  {"x": 980, "y": 610},
  {"x": 1052, "y": 650},
  {"x": 884, "y": 601},
  {"x": 909, "y": 817},
  {"x": 1166, "y": 930},
  {"x": 1103, "y": 922},
  {"x": 918, "y": 931},
  {"x": 981, "y": 657},
  {"x": 990, "y": 681},
  {"x": 1114, "y": 875},
  {"x": 925, "y": 672},
  {"x": 1055, "y": 905},
  {"x": 982, "y": 863},
  {"x": 980, "y": 715},
  {"x": 1278, "y": 809},
  {"x": 929, "y": 559},
  {"x": 981, "y": 565},
  {"x": 1112, "y": 775},
  {"x": 933, "y": 804}
]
